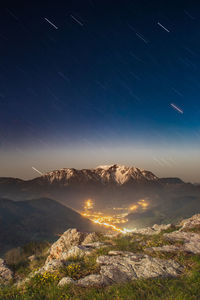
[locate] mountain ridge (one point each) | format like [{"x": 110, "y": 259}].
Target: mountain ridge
[{"x": 115, "y": 173}]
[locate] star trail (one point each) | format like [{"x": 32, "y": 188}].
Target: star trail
[{"x": 98, "y": 82}]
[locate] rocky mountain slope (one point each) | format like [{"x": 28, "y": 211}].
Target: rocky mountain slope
[
  {"x": 108, "y": 174},
  {"x": 39, "y": 219},
  {"x": 98, "y": 260}
]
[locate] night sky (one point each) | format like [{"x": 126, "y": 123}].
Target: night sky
[{"x": 84, "y": 83}]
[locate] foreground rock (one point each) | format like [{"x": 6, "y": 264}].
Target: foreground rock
[
  {"x": 65, "y": 281},
  {"x": 71, "y": 244},
  {"x": 92, "y": 280},
  {"x": 191, "y": 240},
  {"x": 5, "y": 273},
  {"x": 155, "y": 229},
  {"x": 90, "y": 238},
  {"x": 166, "y": 248},
  {"x": 69, "y": 238},
  {"x": 119, "y": 266},
  {"x": 192, "y": 222}
]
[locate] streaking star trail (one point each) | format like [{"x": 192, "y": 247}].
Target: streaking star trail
[
  {"x": 52, "y": 24},
  {"x": 177, "y": 108},
  {"x": 97, "y": 74},
  {"x": 37, "y": 171},
  {"x": 163, "y": 27},
  {"x": 76, "y": 20}
]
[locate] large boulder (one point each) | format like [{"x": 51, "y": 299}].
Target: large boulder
[
  {"x": 5, "y": 273},
  {"x": 70, "y": 238},
  {"x": 191, "y": 240},
  {"x": 119, "y": 266},
  {"x": 71, "y": 244}
]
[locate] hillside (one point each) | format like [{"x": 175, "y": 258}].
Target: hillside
[
  {"x": 161, "y": 262},
  {"x": 38, "y": 219}
]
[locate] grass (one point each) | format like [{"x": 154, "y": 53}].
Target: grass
[
  {"x": 80, "y": 267},
  {"x": 138, "y": 242},
  {"x": 195, "y": 229},
  {"x": 18, "y": 261},
  {"x": 184, "y": 287}
]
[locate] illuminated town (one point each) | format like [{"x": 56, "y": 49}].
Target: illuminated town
[{"x": 114, "y": 219}]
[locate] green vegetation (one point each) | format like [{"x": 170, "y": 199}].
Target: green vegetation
[
  {"x": 19, "y": 259},
  {"x": 139, "y": 242},
  {"x": 186, "y": 287},
  {"x": 195, "y": 229},
  {"x": 45, "y": 286},
  {"x": 81, "y": 267}
]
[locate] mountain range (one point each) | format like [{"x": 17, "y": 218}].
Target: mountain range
[{"x": 110, "y": 186}]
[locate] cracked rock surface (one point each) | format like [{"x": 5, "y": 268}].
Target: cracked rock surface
[
  {"x": 72, "y": 243},
  {"x": 119, "y": 266},
  {"x": 191, "y": 240}
]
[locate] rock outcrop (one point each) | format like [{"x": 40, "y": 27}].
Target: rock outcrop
[
  {"x": 92, "y": 280},
  {"x": 72, "y": 243},
  {"x": 165, "y": 248},
  {"x": 191, "y": 240},
  {"x": 5, "y": 273},
  {"x": 90, "y": 238},
  {"x": 155, "y": 229},
  {"x": 70, "y": 238},
  {"x": 66, "y": 280},
  {"x": 189, "y": 223},
  {"x": 121, "y": 266}
]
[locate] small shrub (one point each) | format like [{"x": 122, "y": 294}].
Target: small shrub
[
  {"x": 14, "y": 256},
  {"x": 45, "y": 278},
  {"x": 17, "y": 258},
  {"x": 73, "y": 270}
]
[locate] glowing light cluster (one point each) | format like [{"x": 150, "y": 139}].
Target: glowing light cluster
[
  {"x": 110, "y": 220},
  {"x": 115, "y": 219},
  {"x": 141, "y": 203},
  {"x": 113, "y": 227},
  {"x": 89, "y": 204},
  {"x": 134, "y": 207}
]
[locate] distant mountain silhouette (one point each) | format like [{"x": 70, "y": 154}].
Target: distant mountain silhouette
[{"x": 35, "y": 220}]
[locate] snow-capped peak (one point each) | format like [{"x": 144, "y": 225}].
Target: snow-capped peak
[
  {"x": 121, "y": 174},
  {"x": 117, "y": 174},
  {"x": 105, "y": 167}
]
